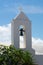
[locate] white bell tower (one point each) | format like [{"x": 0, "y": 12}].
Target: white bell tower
[{"x": 21, "y": 32}]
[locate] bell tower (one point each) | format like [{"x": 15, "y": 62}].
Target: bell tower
[{"x": 21, "y": 32}]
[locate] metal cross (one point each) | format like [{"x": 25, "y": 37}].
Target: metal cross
[{"x": 20, "y": 8}]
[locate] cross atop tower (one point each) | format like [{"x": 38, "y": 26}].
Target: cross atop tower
[{"x": 20, "y": 9}]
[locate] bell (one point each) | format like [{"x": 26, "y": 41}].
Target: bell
[{"x": 21, "y": 32}]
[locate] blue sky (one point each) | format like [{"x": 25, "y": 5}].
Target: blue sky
[
  {"x": 34, "y": 11},
  {"x": 32, "y": 8}
]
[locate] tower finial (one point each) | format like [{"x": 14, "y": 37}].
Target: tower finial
[{"x": 20, "y": 9}]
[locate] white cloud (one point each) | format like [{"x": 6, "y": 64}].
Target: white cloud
[
  {"x": 33, "y": 9},
  {"x": 37, "y": 44},
  {"x": 26, "y": 8},
  {"x": 5, "y": 34},
  {"x": 5, "y": 39}
]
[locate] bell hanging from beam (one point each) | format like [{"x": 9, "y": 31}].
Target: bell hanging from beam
[{"x": 21, "y": 32}]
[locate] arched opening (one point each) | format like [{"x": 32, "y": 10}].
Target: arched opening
[{"x": 22, "y": 37}]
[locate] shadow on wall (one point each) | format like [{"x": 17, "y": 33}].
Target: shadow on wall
[{"x": 39, "y": 59}]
